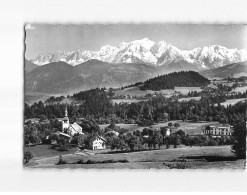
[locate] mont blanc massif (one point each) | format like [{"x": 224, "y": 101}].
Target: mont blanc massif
[{"x": 139, "y": 60}]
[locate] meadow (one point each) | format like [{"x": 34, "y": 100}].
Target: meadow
[
  {"x": 128, "y": 101},
  {"x": 232, "y": 101},
  {"x": 196, "y": 157},
  {"x": 135, "y": 91},
  {"x": 240, "y": 89},
  {"x": 186, "y": 90},
  {"x": 189, "y": 98}
]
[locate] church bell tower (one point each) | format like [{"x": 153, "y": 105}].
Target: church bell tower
[{"x": 65, "y": 119}]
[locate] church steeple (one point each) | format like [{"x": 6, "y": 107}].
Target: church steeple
[
  {"x": 65, "y": 119},
  {"x": 66, "y": 112}
]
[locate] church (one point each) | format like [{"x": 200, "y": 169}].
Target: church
[{"x": 70, "y": 129}]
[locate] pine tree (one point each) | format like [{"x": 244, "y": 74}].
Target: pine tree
[{"x": 239, "y": 137}]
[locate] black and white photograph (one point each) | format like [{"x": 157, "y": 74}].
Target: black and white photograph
[
  {"x": 135, "y": 96},
  {"x": 123, "y": 96}
]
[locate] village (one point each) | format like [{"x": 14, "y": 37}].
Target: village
[
  {"x": 72, "y": 141},
  {"x": 114, "y": 142}
]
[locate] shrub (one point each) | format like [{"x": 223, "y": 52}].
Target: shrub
[
  {"x": 63, "y": 144},
  {"x": 27, "y": 156},
  {"x": 89, "y": 162},
  {"x": 181, "y": 133},
  {"x": 61, "y": 161},
  {"x": 101, "y": 162},
  {"x": 109, "y": 161},
  {"x": 170, "y": 124},
  {"x": 210, "y": 142},
  {"x": 178, "y": 165},
  {"x": 123, "y": 161},
  {"x": 176, "y": 124},
  {"x": 80, "y": 162}
]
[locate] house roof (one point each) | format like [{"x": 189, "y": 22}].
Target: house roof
[
  {"x": 63, "y": 134},
  {"x": 97, "y": 136},
  {"x": 76, "y": 127},
  {"x": 220, "y": 126},
  {"x": 65, "y": 118}
]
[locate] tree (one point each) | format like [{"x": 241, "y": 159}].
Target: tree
[
  {"x": 111, "y": 92},
  {"x": 175, "y": 139},
  {"x": 176, "y": 124},
  {"x": 132, "y": 142},
  {"x": 64, "y": 144},
  {"x": 167, "y": 141},
  {"x": 157, "y": 139},
  {"x": 144, "y": 132},
  {"x": 170, "y": 124},
  {"x": 27, "y": 156},
  {"x": 31, "y": 135},
  {"x": 163, "y": 131},
  {"x": 239, "y": 139},
  {"x": 181, "y": 133}
]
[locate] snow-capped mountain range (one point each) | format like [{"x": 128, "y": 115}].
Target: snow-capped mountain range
[{"x": 148, "y": 52}]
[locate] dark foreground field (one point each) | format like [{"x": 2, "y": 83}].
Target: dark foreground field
[{"x": 206, "y": 157}]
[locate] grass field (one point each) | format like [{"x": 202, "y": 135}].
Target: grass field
[
  {"x": 232, "y": 101},
  {"x": 135, "y": 91},
  {"x": 128, "y": 101},
  {"x": 240, "y": 89},
  {"x": 189, "y": 98},
  {"x": 216, "y": 157},
  {"x": 186, "y": 90},
  {"x": 130, "y": 127},
  {"x": 44, "y": 151}
]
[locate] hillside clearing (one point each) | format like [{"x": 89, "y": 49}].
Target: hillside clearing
[
  {"x": 128, "y": 101},
  {"x": 133, "y": 91},
  {"x": 232, "y": 101},
  {"x": 240, "y": 89},
  {"x": 189, "y": 98},
  {"x": 186, "y": 90}
]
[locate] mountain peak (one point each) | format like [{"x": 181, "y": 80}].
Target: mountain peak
[
  {"x": 145, "y": 39},
  {"x": 148, "y": 52}
]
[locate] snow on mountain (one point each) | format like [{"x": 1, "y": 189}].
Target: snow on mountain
[
  {"x": 151, "y": 53},
  {"x": 138, "y": 51}
]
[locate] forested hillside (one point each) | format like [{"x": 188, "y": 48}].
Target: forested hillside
[{"x": 175, "y": 79}]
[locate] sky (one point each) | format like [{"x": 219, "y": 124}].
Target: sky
[{"x": 45, "y": 38}]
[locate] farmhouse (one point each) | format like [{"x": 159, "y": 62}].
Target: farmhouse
[
  {"x": 98, "y": 142},
  {"x": 218, "y": 130}
]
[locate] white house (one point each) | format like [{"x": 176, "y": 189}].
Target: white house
[
  {"x": 168, "y": 132},
  {"x": 98, "y": 142},
  {"x": 218, "y": 130}
]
